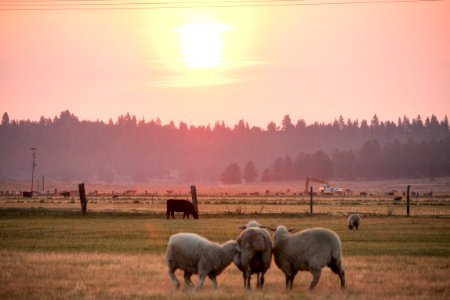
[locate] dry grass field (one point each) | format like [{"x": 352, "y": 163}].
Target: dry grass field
[
  {"x": 49, "y": 254},
  {"x": 241, "y": 204},
  {"x": 32, "y": 275},
  {"x": 48, "y": 250}
]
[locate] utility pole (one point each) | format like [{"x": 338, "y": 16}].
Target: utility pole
[{"x": 34, "y": 165}]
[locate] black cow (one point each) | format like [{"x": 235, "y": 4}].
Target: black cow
[
  {"x": 184, "y": 206},
  {"x": 398, "y": 199},
  {"x": 65, "y": 194},
  {"x": 27, "y": 194}
]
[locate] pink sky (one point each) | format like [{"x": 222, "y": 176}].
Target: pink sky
[{"x": 311, "y": 62}]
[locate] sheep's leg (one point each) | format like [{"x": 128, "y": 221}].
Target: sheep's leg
[
  {"x": 214, "y": 281},
  {"x": 342, "y": 278},
  {"x": 174, "y": 278},
  {"x": 200, "y": 282},
  {"x": 258, "y": 280},
  {"x": 316, "y": 277},
  {"x": 187, "y": 279},
  {"x": 262, "y": 280},
  {"x": 247, "y": 279},
  {"x": 339, "y": 270},
  {"x": 290, "y": 280},
  {"x": 173, "y": 214},
  {"x": 341, "y": 273}
]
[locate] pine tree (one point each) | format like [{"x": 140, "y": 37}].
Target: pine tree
[
  {"x": 231, "y": 175},
  {"x": 250, "y": 174},
  {"x": 5, "y": 119}
]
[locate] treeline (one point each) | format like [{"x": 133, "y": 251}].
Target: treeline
[
  {"x": 372, "y": 161},
  {"x": 129, "y": 149}
]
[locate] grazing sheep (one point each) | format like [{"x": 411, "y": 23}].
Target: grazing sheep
[
  {"x": 184, "y": 206},
  {"x": 353, "y": 221},
  {"x": 308, "y": 250},
  {"x": 256, "y": 252},
  {"x": 194, "y": 254}
]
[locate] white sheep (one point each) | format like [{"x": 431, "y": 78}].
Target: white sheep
[
  {"x": 308, "y": 250},
  {"x": 353, "y": 221},
  {"x": 256, "y": 252},
  {"x": 195, "y": 254}
]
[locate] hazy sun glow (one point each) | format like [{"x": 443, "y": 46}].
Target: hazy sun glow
[
  {"x": 202, "y": 44},
  {"x": 200, "y": 47}
]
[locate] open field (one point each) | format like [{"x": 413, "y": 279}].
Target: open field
[
  {"x": 241, "y": 204},
  {"x": 50, "y": 253},
  {"x": 49, "y": 250},
  {"x": 430, "y": 198}
]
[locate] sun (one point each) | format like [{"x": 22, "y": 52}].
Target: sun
[{"x": 201, "y": 44}]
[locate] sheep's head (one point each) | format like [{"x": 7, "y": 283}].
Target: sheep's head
[
  {"x": 232, "y": 247},
  {"x": 281, "y": 232},
  {"x": 254, "y": 224}
]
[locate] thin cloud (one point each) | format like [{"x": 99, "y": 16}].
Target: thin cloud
[{"x": 178, "y": 75}]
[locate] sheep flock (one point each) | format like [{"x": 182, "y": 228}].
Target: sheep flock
[{"x": 251, "y": 252}]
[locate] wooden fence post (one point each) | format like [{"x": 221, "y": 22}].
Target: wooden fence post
[
  {"x": 194, "y": 197},
  {"x": 311, "y": 201},
  {"x": 83, "y": 199},
  {"x": 407, "y": 201}
]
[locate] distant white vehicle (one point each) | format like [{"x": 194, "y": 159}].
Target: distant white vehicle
[{"x": 326, "y": 189}]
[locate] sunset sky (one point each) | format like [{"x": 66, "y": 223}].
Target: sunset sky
[{"x": 206, "y": 64}]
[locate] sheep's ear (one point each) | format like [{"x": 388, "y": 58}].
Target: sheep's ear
[
  {"x": 238, "y": 248},
  {"x": 242, "y": 227},
  {"x": 271, "y": 228},
  {"x": 290, "y": 229}
]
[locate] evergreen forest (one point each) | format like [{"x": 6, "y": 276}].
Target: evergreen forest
[{"x": 132, "y": 150}]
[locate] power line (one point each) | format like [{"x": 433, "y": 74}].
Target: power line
[{"x": 46, "y": 5}]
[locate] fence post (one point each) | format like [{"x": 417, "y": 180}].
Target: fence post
[
  {"x": 194, "y": 197},
  {"x": 311, "y": 201},
  {"x": 407, "y": 201},
  {"x": 83, "y": 199}
]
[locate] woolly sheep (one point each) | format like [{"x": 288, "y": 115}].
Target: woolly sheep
[
  {"x": 353, "y": 221},
  {"x": 195, "y": 254},
  {"x": 308, "y": 250},
  {"x": 256, "y": 252}
]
